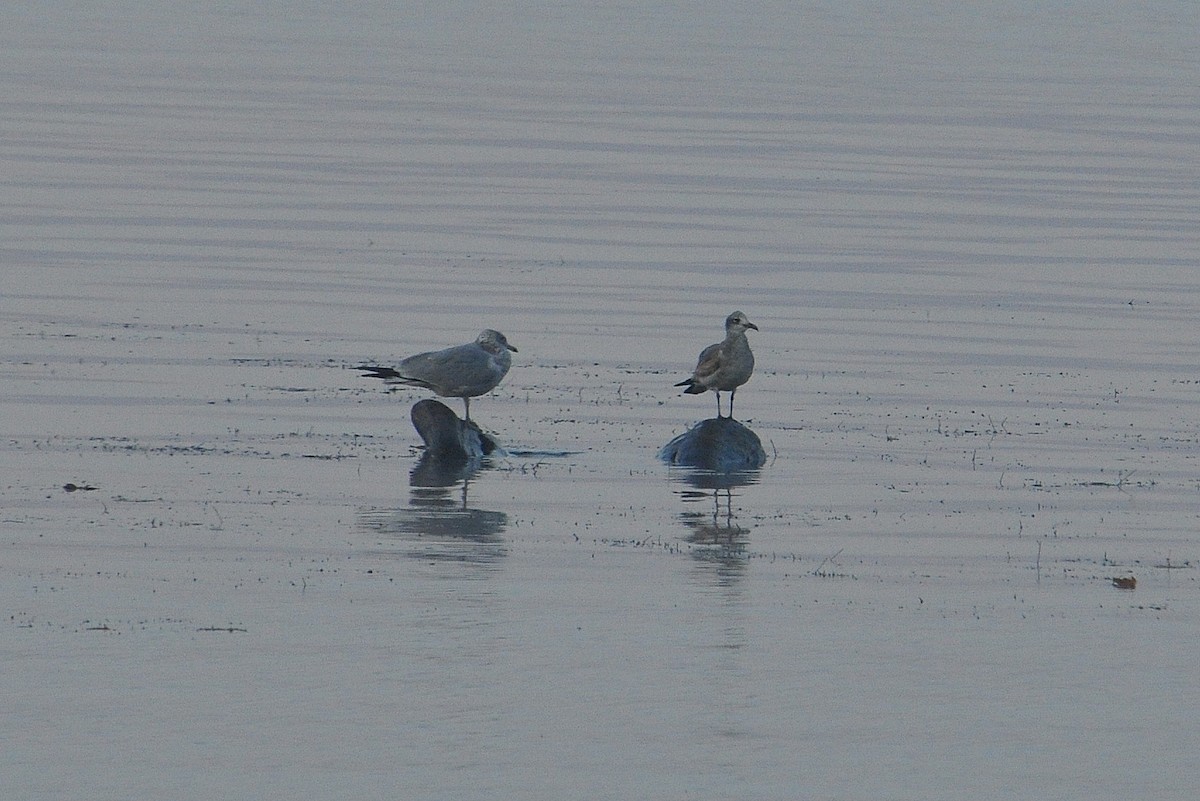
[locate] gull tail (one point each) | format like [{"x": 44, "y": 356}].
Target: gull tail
[
  {"x": 694, "y": 387},
  {"x": 378, "y": 372}
]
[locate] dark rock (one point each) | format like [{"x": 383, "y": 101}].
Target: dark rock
[
  {"x": 720, "y": 444},
  {"x": 454, "y": 447}
]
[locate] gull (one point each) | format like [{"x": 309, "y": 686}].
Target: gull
[
  {"x": 725, "y": 366},
  {"x": 463, "y": 371}
]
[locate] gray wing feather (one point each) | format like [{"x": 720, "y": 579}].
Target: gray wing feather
[
  {"x": 465, "y": 370},
  {"x": 708, "y": 363}
]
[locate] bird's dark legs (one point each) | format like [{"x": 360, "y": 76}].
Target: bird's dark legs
[
  {"x": 731, "y": 394},
  {"x": 718, "y": 394},
  {"x": 467, "y": 404}
]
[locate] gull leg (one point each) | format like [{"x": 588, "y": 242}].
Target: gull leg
[
  {"x": 467, "y": 405},
  {"x": 731, "y": 394}
]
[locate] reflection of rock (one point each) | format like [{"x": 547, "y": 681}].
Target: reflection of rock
[
  {"x": 442, "y": 517},
  {"x": 454, "y": 448},
  {"x": 713, "y": 480},
  {"x": 720, "y": 444},
  {"x": 439, "y": 527},
  {"x": 430, "y": 471},
  {"x": 719, "y": 455}
]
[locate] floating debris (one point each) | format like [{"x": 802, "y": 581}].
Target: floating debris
[{"x": 227, "y": 629}]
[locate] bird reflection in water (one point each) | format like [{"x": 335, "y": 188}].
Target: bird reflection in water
[
  {"x": 717, "y": 525},
  {"x": 714, "y": 458},
  {"x": 439, "y": 525}
]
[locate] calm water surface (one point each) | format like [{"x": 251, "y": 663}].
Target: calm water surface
[{"x": 968, "y": 238}]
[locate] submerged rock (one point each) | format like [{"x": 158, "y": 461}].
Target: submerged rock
[{"x": 721, "y": 444}]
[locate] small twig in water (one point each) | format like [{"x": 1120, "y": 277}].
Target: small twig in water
[
  {"x": 825, "y": 561},
  {"x": 229, "y": 629}
]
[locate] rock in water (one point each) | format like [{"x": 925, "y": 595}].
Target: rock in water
[
  {"x": 446, "y": 436},
  {"x": 721, "y": 444}
]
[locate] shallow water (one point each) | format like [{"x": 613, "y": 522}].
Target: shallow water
[{"x": 968, "y": 238}]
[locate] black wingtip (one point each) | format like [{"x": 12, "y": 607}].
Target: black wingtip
[{"x": 377, "y": 372}]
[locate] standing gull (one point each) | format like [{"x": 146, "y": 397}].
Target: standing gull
[
  {"x": 464, "y": 371},
  {"x": 725, "y": 366}
]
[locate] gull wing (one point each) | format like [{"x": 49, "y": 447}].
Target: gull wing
[
  {"x": 708, "y": 364},
  {"x": 459, "y": 371}
]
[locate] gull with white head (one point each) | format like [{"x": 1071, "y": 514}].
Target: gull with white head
[
  {"x": 463, "y": 371},
  {"x": 725, "y": 366}
]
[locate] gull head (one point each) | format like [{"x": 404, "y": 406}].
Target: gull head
[
  {"x": 493, "y": 341},
  {"x": 739, "y": 322}
]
